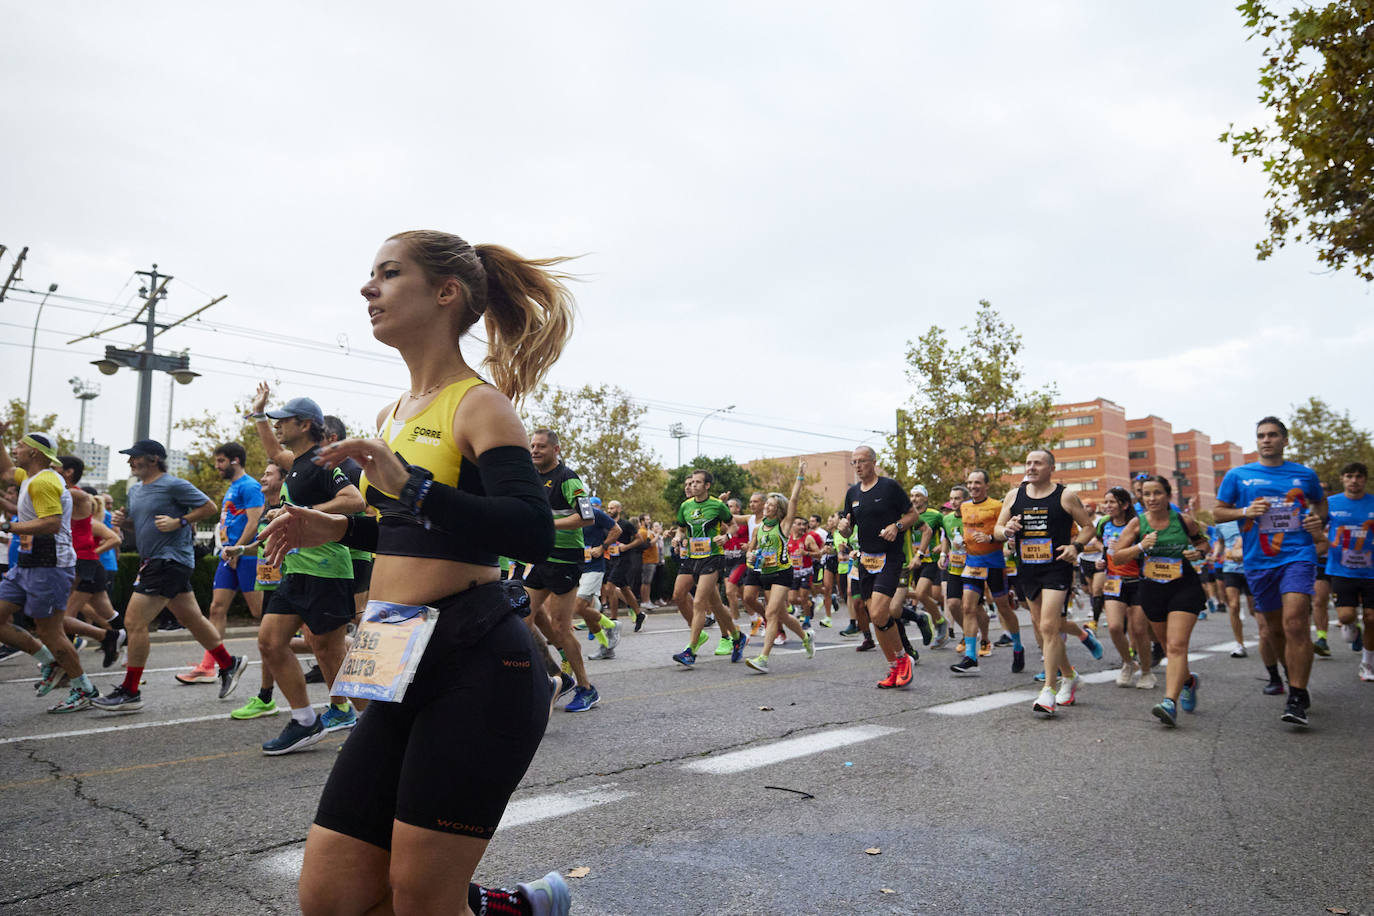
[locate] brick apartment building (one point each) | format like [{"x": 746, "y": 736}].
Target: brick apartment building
[{"x": 1096, "y": 447}]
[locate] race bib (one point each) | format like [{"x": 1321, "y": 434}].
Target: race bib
[
  {"x": 1281, "y": 519},
  {"x": 586, "y": 554},
  {"x": 975, "y": 572},
  {"x": 1112, "y": 587},
  {"x": 386, "y": 651},
  {"x": 1163, "y": 569},
  {"x": 873, "y": 563},
  {"x": 699, "y": 548},
  {"x": 268, "y": 575},
  {"x": 613, "y": 550},
  {"x": 957, "y": 558},
  {"x": 1357, "y": 559},
  {"x": 26, "y": 543},
  {"x": 768, "y": 558},
  {"x": 1037, "y": 550}
]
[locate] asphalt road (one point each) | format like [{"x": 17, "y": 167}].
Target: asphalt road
[{"x": 717, "y": 790}]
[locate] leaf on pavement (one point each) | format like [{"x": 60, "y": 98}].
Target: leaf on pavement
[
  {"x": 873, "y": 851},
  {"x": 1339, "y": 910},
  {"x": 887, "y": 890},
  {"x": 765, "y": 709},
  {"x": 580, "y": 871}
]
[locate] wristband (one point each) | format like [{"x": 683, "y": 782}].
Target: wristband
[
  {"x": 184, "y": 523},
  {"x": 257, "y": 416},
  {"x": 416, "y": 488}
]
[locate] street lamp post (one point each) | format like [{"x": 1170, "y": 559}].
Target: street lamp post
[
  {"x": 33, "y": 346},
  {"x": 707, "y": 417},
  {"x": 678, "y": 432}
]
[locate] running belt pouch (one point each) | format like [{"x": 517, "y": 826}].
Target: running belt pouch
[{"x": 476, "y": 612}]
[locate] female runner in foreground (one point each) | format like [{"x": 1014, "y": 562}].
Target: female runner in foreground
[{"x": 420, "y": 786}]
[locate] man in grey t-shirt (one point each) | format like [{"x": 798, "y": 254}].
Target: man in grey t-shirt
[{"x": 162, "y": 511}]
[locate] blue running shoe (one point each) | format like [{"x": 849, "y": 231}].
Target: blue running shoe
[
  {"x": 1040, "y": 676},
  {"x": 584, "y": 698},
  {"x": 686, "y": 658},
  {"x": 295, "y": 737},
  {"x": 335, "y": 719},
  {"x": 737, "y": 650},
  {"x": 1187, "y": 697},
  {"x": 1094, "y": 645},
  {"x": 1166, "y": 712}
]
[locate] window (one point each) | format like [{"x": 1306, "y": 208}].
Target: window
[
  {"x": 1218, "y": 459},
  {"x": 1137, "y": 434},
  {"x": 1072, "y": 421},
  {"x": 1076, "y": 443},
  {"x": 1084, "y": 464},
  {"x": 1181, "y": 446},
  {"x": 1017, "y": 469},
  {"x": 1138, "y": 456},
  {"x": 1185, "y": 464},
  {"x": 1080, "y": 485}
]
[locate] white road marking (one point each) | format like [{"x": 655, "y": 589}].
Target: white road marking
[
  {"x": 1100, "y": 677},
  {"x": 126, "y": 726},
  {"x": 1192, "y": 657},
  {"x": 1228, "y": 646},
  {"x": 789, "y": 749},
  {"x": 119, "y": 672},
  {"x": 542, "y": 807},
  {"x": 286, "y": 861},
  {"x": 984, "y": 703},
  {"x": 520, "y": 811}
]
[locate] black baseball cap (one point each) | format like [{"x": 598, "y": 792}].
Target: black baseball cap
[
  {"x": 145, "y": 447},
  {"x": 301, "y": 408}
]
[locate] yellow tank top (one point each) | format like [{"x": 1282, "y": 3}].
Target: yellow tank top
[{"x": 426, "y": 439}]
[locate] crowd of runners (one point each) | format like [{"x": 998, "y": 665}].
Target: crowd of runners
[{"x": 458, "y": 523}]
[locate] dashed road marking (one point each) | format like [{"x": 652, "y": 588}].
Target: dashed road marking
[
  {"x": 542, "y": 807},
  {"x": 983, "y": 703},
  {"x": 789, "y": 749}
]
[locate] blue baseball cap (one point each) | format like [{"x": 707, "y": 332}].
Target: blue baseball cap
[
  {"x": 150, "y": 448},
  {"x": 300, "y": 408},
  {"x": 595, "y": 500}
]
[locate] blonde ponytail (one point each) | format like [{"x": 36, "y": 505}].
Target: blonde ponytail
[{"x": 527, "y": 308}]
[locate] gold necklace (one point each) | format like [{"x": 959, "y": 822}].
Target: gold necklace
[{"x": 431, "y": 389}]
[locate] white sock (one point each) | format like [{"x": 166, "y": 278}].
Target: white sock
[
  {"x": 304, "y": 716},
  {"x": 1368, "y": 656}
]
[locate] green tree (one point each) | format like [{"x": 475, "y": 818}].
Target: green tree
[
  {"x": 1325, "y": 441},
  {"x": 208, "y": 431},
  {"x": 968, "y": 408},
  {"x": 1317, "y": 85},
  {"x": 16, "y": 423},
  {"x": 598, "y": 429},
  {"x": 726, "y": 475},
  {"x": 119, "y": 492}
]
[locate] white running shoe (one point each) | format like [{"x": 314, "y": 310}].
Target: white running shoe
[
  {"x": 1129, "y": 672},
  {"x": 1068, "y": 690},
  {"x": 1044, "y": 704},
  {"x": 1147, "y": 681},
  {"x": 1366, "y": 673}
]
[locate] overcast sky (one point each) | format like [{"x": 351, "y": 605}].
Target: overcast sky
[{"x": 771, "y": 200}]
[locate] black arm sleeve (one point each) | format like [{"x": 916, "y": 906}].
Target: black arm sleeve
[
  {"x": 361, "y": 533},
  {"x": 512, "y": 519}
]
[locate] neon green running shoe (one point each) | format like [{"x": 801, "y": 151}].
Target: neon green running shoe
[
  {"x": 701, "y": 641},
  {"x": 725, "y": 646},
  {"x": 255, "y": 708}
]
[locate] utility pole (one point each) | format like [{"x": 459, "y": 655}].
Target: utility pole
[
  {"x": 678, "y": 432},
  {"x": 146, "y": 361},
  {"x": 14, "y": 272},
  {"x": 150, "y": 293}
]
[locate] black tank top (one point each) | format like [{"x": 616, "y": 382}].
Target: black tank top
[{"x": 1045, "y": 526}]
